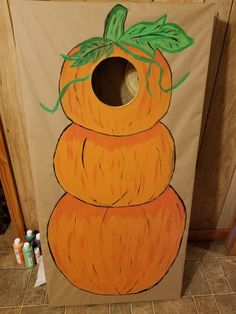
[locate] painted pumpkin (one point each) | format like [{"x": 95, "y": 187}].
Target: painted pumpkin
[
  {"x": 114, "y": 171},
  {"x": 116, "y": 250},
  {"x": 119, "y": 227},
  {"x": 84, "y": 108}
]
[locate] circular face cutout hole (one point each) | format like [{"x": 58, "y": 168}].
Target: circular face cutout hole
[{"x": 115, "y": 81}]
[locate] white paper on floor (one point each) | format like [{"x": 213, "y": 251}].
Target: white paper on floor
[{"x": 41, "y": 279}]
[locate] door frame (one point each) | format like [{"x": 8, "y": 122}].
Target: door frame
[{"x": 9, "y": 188}]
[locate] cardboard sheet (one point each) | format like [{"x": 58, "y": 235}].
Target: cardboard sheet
[{"x": 43, "y": 30}]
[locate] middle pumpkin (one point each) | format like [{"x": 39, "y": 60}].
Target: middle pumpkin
[{"x": 107, "y": 170}]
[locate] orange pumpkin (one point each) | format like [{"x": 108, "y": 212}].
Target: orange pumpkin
[
  {"x": 114, "y": 171},
  {"x": 82, "y": 106},
  {"x": 109, "y": 250}
]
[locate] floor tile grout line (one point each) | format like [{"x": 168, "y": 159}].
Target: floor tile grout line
[
  {"x": 14, "y": 267},
  {"x": 207, "y": 258},
  {"x": 27, "y": 285},
  {"x": 217, "y": 306},
  {"x": 10, "y": 307},
  {"x": 202, "y": 258},
  {"x": 153, "y": 308},
  {"x": 226, "y": 278},
  {"x": 206, "y": 279},
  {"x": 195, "y": 304},
  {"x": 36, "y": 305},
  {"x": 222, "y": 271},
  {"x": 220, "y": 258},
  {"x": 131, "y": 307},
  {"x": 45, "y": 297},
  {"x": 228, "y": 257},
  {"x": 207, "y": 294},
  {"x": 197, "y": 295},
  {"x": 225, "y": 293},
  {"x": 211, "y": 290}
]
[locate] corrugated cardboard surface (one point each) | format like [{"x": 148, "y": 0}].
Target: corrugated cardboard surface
[{"x": 42, "y": 31}]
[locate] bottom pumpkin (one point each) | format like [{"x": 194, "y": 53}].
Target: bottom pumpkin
[{"x": 109, "y": 250}]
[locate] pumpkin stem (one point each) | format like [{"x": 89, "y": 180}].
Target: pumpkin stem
[
  {"x": 62, "y": 93},
  {"x": 115, "y": 23}
]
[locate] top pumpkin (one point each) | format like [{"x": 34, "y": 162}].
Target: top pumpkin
[{"x": 140, "y": 45}]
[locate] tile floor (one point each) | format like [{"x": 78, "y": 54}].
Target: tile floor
[{"x": 209, "y": 286}]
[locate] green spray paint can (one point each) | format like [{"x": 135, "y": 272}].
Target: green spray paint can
[{"x": 28, "y": 255}]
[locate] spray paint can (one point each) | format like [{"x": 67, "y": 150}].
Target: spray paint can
[
  {"x": 17, "y": 246},
  {"x": 37, "y": 254},
  {"x": 30, "y": 235},
  {"x": 28, "y": 255}
]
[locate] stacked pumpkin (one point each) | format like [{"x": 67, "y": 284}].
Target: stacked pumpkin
[{"x": 118, "y": 227}]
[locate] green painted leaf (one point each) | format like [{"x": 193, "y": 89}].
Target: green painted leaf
[
  {"x": 172, "y": 38},
  {"x": 150, "y": 36},
  {"x": 144, "y": 28},
  {"x": 100, "y": 52},
  {"x": 136, "y": 35},
  {"x": 142, "y": 44},
  {"x": 91, "y": 50}
]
